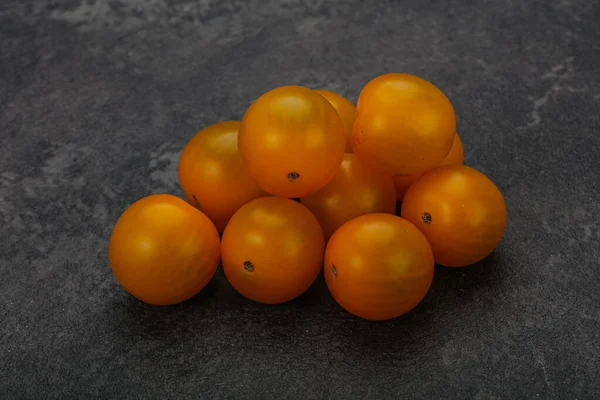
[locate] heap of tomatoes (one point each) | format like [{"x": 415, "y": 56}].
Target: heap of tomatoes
[{"x": 307, "y": 182}]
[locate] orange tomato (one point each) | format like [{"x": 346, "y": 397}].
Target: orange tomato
[
  {"x": 402, "y": 183},
  {"x": 404, "y": 124},
  {"x": 272, "y": 250},
  {"x": 378, "y": 266},
  {"x": 355, "y": 190},
  {"x": 345, "y": 110},
  {"x": 162, "y": 250},
  {"x": 455, "y": 157},
  {"x": 291, "y": 141},
  {"x": 460, "y": 210},
  {"x": 212, "y": 175}
]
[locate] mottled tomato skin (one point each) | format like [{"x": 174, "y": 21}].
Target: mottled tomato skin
[
  {"x": 345, "y": 110},
  {"x": 455, "y": 157},
  {"x": 291, "y": 141},
  {"x": 404, "y": 124},
  {"x": 461, "y": 212},
  {"x": 378, "y": 266},
  {"x": 162, "y": 250},
  {"x": 212, "y": 175},
  {"x": 355, "y": 190},
  {"x": 272, "y": 250}
]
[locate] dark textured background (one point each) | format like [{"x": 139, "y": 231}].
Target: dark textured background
[{"x": 98, "y": 98}]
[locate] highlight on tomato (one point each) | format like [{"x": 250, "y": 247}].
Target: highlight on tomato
[
  {"x": 404, "y": 124},
  {"x": 291, "y": 141},
  {"x": 378, "y": 266},
  {"x": 272, "y": 250},
  {"x": 455, "y": 157},
  {"x": 355, "y": 190},
  {"x": 345, "y": 110},
  {"x": 461, "y": 212},
  {"x": 162, "y": 250},
  {"x": 212, "y": 175}
]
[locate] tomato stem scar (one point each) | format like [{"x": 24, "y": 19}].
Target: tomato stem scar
[
  {"x": 333, "y": 271},
  {"x": 248, "y": 266},
  {"x": 292, "y": 176},
  {"x": 426, "y": 218}
]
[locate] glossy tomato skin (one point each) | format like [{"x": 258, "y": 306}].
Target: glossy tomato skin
[
  {"x": 291, "y": 141},
  {"x": 162, "y": 250},
  {"x": 345, "y": 110},
  {"x": 378, "y": 266},
  {"x": 455, "y": 157},
  {"x": 461, "y": 212},
  {"x": 355, "y": 190},
  {"x": 212, "y": 175},
  {"x": 404, "y": 124},
  {"x": 272, "y": 250}
]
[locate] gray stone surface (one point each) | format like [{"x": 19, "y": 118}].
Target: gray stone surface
[{"x": 97, "y": 98}]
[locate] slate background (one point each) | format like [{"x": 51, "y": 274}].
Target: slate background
[{"x": 98, "y": 98}]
